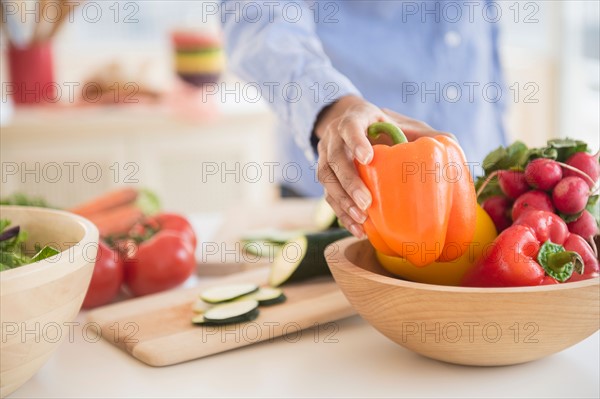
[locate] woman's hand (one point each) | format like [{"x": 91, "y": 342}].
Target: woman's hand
[{"x": 341, "y": 130}]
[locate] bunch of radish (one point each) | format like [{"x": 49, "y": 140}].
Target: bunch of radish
[{"x": 567, "y": 188}]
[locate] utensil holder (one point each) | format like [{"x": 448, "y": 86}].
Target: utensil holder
[{"x": 32, "y": 75}]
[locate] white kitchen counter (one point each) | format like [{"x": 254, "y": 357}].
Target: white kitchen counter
[
  {"x": 355, "y": 361},
  {"x": 360, "y": 363}
]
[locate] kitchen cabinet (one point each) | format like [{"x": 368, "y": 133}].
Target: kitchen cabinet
[{"x": 68, "y": 155}]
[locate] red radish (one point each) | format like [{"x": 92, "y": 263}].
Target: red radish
[
  {"x": 531, "y": 201},
  {"x": 584, "y": 226},
  {"x": 512, "y": 183},
  {"x": 498, "y": 207},
  {"x": 586, "y": 163},
  {"x": 570, "y": 195},
  {"x": 576, "y": 243},
  {"x": 543, "y": 174}
]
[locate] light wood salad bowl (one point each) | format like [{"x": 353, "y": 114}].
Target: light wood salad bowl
[
  {"x": 469, "y": 326},
  {"x": 39, "y": 300}
]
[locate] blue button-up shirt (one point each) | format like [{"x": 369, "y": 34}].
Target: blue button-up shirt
[{"x": 435, "y": 61}]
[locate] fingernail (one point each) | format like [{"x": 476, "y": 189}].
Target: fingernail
[
  {"x": 362, "y": 199},
  {"x": 363, "y": 155},
  {"x": 356, "y": 231},
  {"x": 357, "y": 215}
]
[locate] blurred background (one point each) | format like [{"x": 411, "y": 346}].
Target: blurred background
[{"x": 128, "y": 106}]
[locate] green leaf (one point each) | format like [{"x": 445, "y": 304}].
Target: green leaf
[
  {"x": 513, "y": 156},
  {"x": 44, "y": 253},
  {"x": 567, "y": 147},
  {"x": 7, "y": 259},
  {"x": 491, "y": 161},
  {"x": 4, "y": 223},
  {"x": 543, "y": 152},
  {"x": 10, "y": 250},
  {"x": 593, "y": 207},
  {"x": 570, "y": 218},
  {"x": 517, "y": 155},
  {"x": 24, "y": 200},
  {"x": 148, "y": 202},
  {"x": 558, "y": 263}
]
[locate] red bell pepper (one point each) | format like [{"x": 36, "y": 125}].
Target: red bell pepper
[{"x": 526, "y": 254}]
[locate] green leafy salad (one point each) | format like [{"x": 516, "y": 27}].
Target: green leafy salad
[{"x": 12, "y": 243}]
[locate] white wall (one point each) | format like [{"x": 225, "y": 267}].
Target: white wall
[{"x": 543, "y": 46}]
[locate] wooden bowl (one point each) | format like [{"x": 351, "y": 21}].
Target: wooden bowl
[
  {"x": 37, "y": 301},
  {"x": 469, "y": 326}
]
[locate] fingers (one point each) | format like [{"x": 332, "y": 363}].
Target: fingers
[
  {"x": 343, "y": 204},
  {"x": 345, "y": 171},
  {"x": 352, "y": 132},
  {"x": 345, "y": 219}
]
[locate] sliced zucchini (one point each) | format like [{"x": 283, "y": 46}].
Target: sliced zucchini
[
  {"x": 262, "y": 248},
  {"x": 267, "y": 296},
  {"x": 324, "y": 216},
  {"x": 226, "y": 293},
  {"x": 200, "y": 306},
  {"x": 201, "y": 320},
  {"x": 276, "y": 236},
  {"x": 304, "y": 257},
  {"x": 234, "y": 312},
  {"x": 198, "y": 319}
]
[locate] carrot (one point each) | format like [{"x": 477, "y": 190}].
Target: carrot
[
  {"x": 115, "y": 221},
  {"x": 105, "y": 202}
]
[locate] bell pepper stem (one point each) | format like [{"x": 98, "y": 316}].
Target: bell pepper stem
[
  {"x": 557, "y": 261},
  {"x": 389, "y": 129}
]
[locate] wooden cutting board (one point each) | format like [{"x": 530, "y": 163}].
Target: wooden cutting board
[{"x": 157, "y": 329}]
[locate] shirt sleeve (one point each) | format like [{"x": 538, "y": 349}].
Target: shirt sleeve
[{"x": 275, "y": 46}]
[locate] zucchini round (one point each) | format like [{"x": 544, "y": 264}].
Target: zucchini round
[
  {"x": 267, "y": 296},
  {"x": 233, "y": 312},
  {"x": 226, "y": 293}
]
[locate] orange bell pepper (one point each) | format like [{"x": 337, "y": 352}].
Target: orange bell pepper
[{"x": 424, "y": 203}]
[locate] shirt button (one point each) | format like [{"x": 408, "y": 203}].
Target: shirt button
[{"x": 452, "y": 38}]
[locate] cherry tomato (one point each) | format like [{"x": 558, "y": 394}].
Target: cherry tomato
[
  {"x": 164, "y": 261},
  {"x": 106, "y": 279}
]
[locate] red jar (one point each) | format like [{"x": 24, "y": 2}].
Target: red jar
[{"x": 32, "y": 74}]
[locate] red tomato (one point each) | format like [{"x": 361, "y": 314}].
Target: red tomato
[
  {"x": 162, "y": 262},
  {"x": 175, "y": 222},
  {"x": 106, "y": 279}
]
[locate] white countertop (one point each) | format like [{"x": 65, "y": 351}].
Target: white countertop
[
  {"x": 354, "y": 361},
  {"x": 359, "y": 363}
]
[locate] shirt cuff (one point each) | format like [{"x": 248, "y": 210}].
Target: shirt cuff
[{"x": 319, "y": 89}]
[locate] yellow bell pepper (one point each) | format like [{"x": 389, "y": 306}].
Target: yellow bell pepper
[{"x": 445, "y": 273}]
